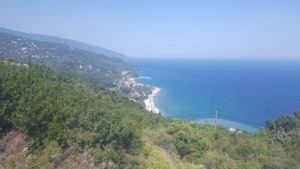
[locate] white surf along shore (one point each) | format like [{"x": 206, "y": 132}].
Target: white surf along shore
[
  {"x": 128, "y": 81},
  {"x": 149, "y": 102}
]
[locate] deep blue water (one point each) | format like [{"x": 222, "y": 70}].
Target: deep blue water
[{"x": 245, "y": 93}]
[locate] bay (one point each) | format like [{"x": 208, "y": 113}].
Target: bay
[{"x": 245, "y": 93}]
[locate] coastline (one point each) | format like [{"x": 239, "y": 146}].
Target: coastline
[
  {"x": 149, "y": 102},
  {"x": 140, "y": 93},
  {"x": 145, "y": 94}
]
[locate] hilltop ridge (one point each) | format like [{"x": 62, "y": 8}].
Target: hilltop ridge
[{"x": 69, "y": 42}]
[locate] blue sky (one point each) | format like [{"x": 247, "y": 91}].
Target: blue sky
[{"x": 166, "y": 28}]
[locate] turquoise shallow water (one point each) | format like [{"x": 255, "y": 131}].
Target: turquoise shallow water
[{"x": 245, "y": 93}]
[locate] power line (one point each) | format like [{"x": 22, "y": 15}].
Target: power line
[
  {"x": 241, "y": 120},
  {"x": 216, "y": 121},
  {"x": 189, "y": 115},
  {"x": 224, "y": 116}
]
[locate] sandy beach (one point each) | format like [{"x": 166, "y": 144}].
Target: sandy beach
[
  {"x": 149, "y": 102},
  {"x": 128, "y": 81}
]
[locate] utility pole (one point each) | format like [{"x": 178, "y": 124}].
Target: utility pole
[{"x": 216, "y": 121}]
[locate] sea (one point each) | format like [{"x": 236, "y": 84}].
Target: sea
[{"x": 242, "y": 94}]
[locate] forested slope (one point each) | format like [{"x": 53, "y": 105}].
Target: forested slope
[
  {"x": 103, "y": 70},
  {"x": 69, "y": 42},
  {"x": 50, "y": 106},
  {"x": 51, "y": 119}
]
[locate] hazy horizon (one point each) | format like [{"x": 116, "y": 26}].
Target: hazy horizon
[{"x": 168, "y": 29}]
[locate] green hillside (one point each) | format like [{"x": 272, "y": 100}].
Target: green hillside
[
  {"x": 69, "y": 42},
  {"x": 101, "y": 69},
  {"x": 51, "y": 119}
]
